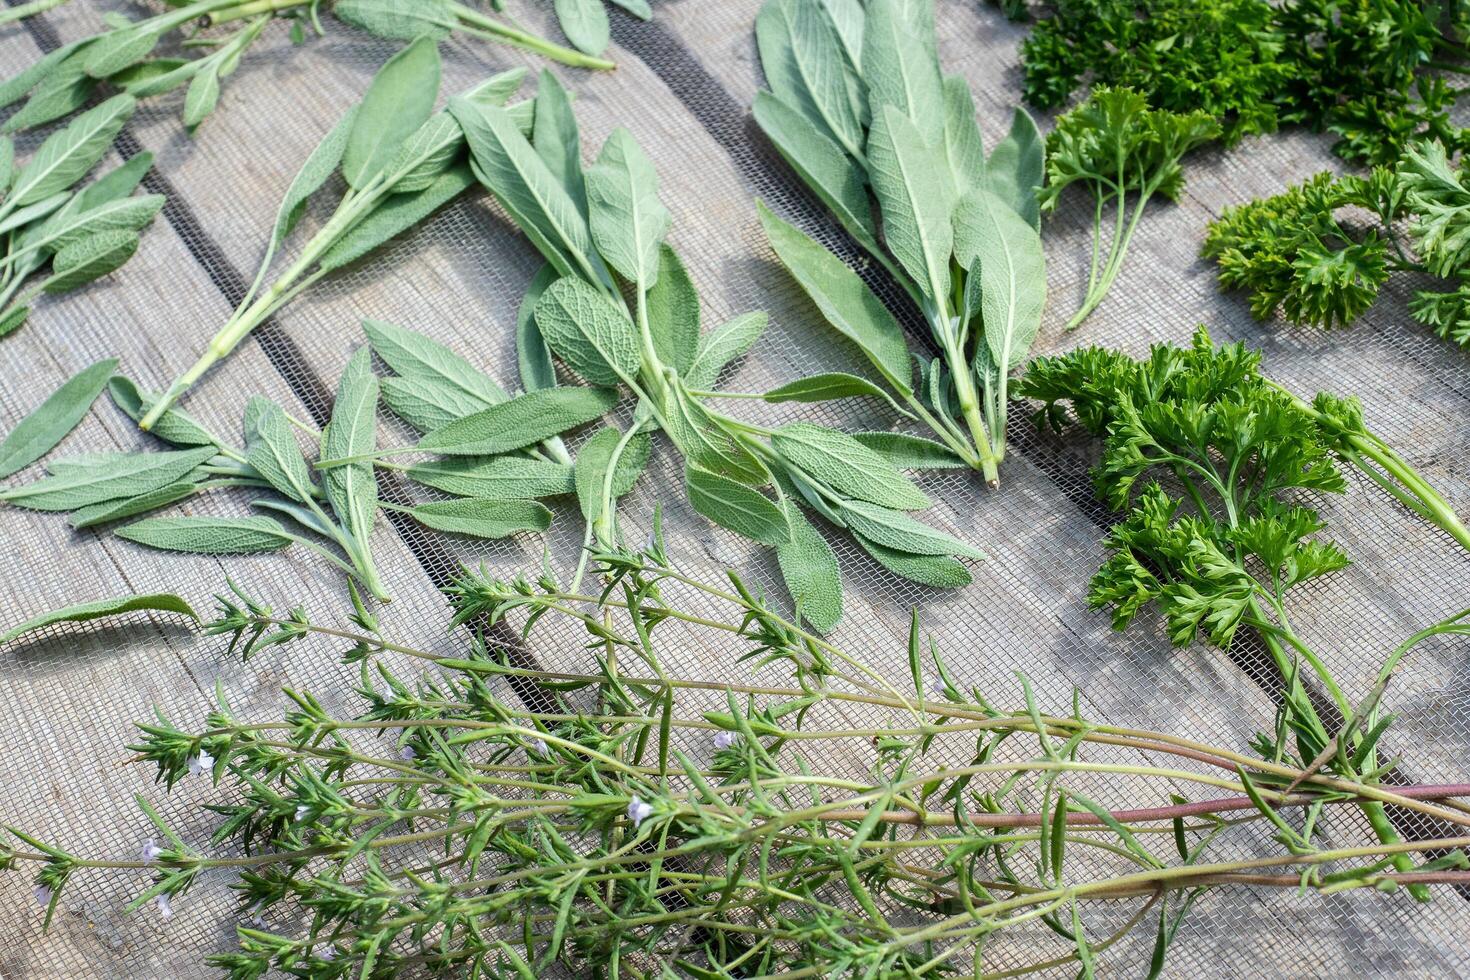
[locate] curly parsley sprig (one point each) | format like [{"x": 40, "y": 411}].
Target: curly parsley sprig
[
  {"x": 1320, "y": 251},
  {"x": 1217, "y": 537},
  {"x": 1124, "y": 153}
]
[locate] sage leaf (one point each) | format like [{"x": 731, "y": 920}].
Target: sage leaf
[
  {"x": 11, "y": 319},
  {"x": 126, "y": 214},
  {"x": 533, "y": 357},
  {"x": 555, "y": 138},
  {"x": 352, "y": 489},
  {"x": 825, "y": 387},
  {"x": 431, "y": 372},
  {"x": 16, "y": 86},
  {"x": 394, "y": 216},
  {"x": 112, "y": 52},
  {"x": 115, "y": 510},
  {"x": 590, "y": 332},
  {"x": 520, "y": 180},
  {"x": 31, "y": 213},
  {"x": 398, "y": 20},
  {"x": 1011, "y": 273},
  {"x": 721, "y": 346},
  {"x": 585, "y": 24},
  {"x": 703, "y": 442},
  {"x": 832, "y": 175},
  {"x": 736, "y": 506},
  {"x": 119, "y": 182},
  {"x": 805, "y": 68},
  {"x": 174, "y": 426},
  {"x": 158, "y": 602},
  {"x": 483, "y": 518},
  {"x": 319, "y": 166},
  {"x": 963, "y": 147},
  {"x": 897, "y": 530},
  {"x": 843, "y": 299},
  {"x": 673, "y": 312},
  {"x": 849, "y": 18},
  {"x": 128, "y": 475},
  {"x": 916, "y": 198},
  {"x": 208, "y": 535},
  {"x": 592, "y": 463},
  {"x": 90, "y": 258},
  {"x": 501, "y": 478},
  {"x": 1014, "y": 171},
  {"x": 908, "y": 452},
  {"x": 841, "y": 462},
  {"x": 203, "y": 94},
  {"x": 809, "y": 569},
  {"x": 60, "y": 95},
  {"x": 938, "y": 571},
  {"x": 7, "y": 161},
  {"x": 901, "y": 67},
  {"x": 628, "y": 221},
  {"x": 68, "y": 154},
  {"x": 40, "y": 431},
  {"x": 399, "y": 101},
  {"x": 519, "y": 422},
  {"x": 272, "y": 451}
]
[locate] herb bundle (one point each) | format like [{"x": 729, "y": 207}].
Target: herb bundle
[
  {"x": 1320, "y": 251},
  {"x": 697, "y": 826},
  {"x": 602, "y": 230},
  {"x": 62, "y": 81},
  {"x": 856, "y": 100},
  {"x": 47, "y": 219},
  {"x": 1377, "y": 73},
  {"x": 1223, "y": 544},
  {"x": 401, "y": 161}
]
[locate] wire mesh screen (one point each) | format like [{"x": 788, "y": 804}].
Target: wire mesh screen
[{"x": 683, "y": 86}]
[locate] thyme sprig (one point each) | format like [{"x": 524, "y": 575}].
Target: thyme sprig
[{"x": 623, "y": 817}]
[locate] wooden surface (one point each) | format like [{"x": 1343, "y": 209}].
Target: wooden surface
[{"x": 682, "y": 87}]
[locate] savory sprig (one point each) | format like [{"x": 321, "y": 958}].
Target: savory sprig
[
  {"x": 401, "y": 161},
  {"x": 602, "y": 230},
  {"x": 121, "y": 56},
  {"x": 1221, "y": 544},
  {"x": 48, "y": 219},
  {"x": 666, "y": 827},
  {"x": 1115, "y": 146},
  {"x": 1320, "y": 251},
  {"x": 856, "y": 100}
]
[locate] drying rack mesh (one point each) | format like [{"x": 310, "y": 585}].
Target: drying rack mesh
[{"x": 683, "y": 87}]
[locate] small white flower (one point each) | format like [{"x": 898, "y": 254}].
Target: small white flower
[
  {"x": 256, "y": 919},
  {"x": 150, "y": 851},
  {"x": 538, "y": 745},
  {"x": 301, "y": 812},
  {"x": 43, "y": 895},
  {"x": 328, "y": 955},
  {"x": 407, "y": 754},
  {"x": 638, "y": 811},
  {"x": 723, "y": 740},
  {"x": 165, "y": 908},
  {"x": 203, "y": 763}
]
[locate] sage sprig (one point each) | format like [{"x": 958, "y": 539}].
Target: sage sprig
[
  {"x": 602, "y": 229},
  {"x": 401, "y": 161},
  {"x": 857, "y": 102},
  {"x": 49, "y": 221},
  {"x": 448, "y": 826},
  {"x": 122, "y": 56},
  {"x": 100, "y": 489}
]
